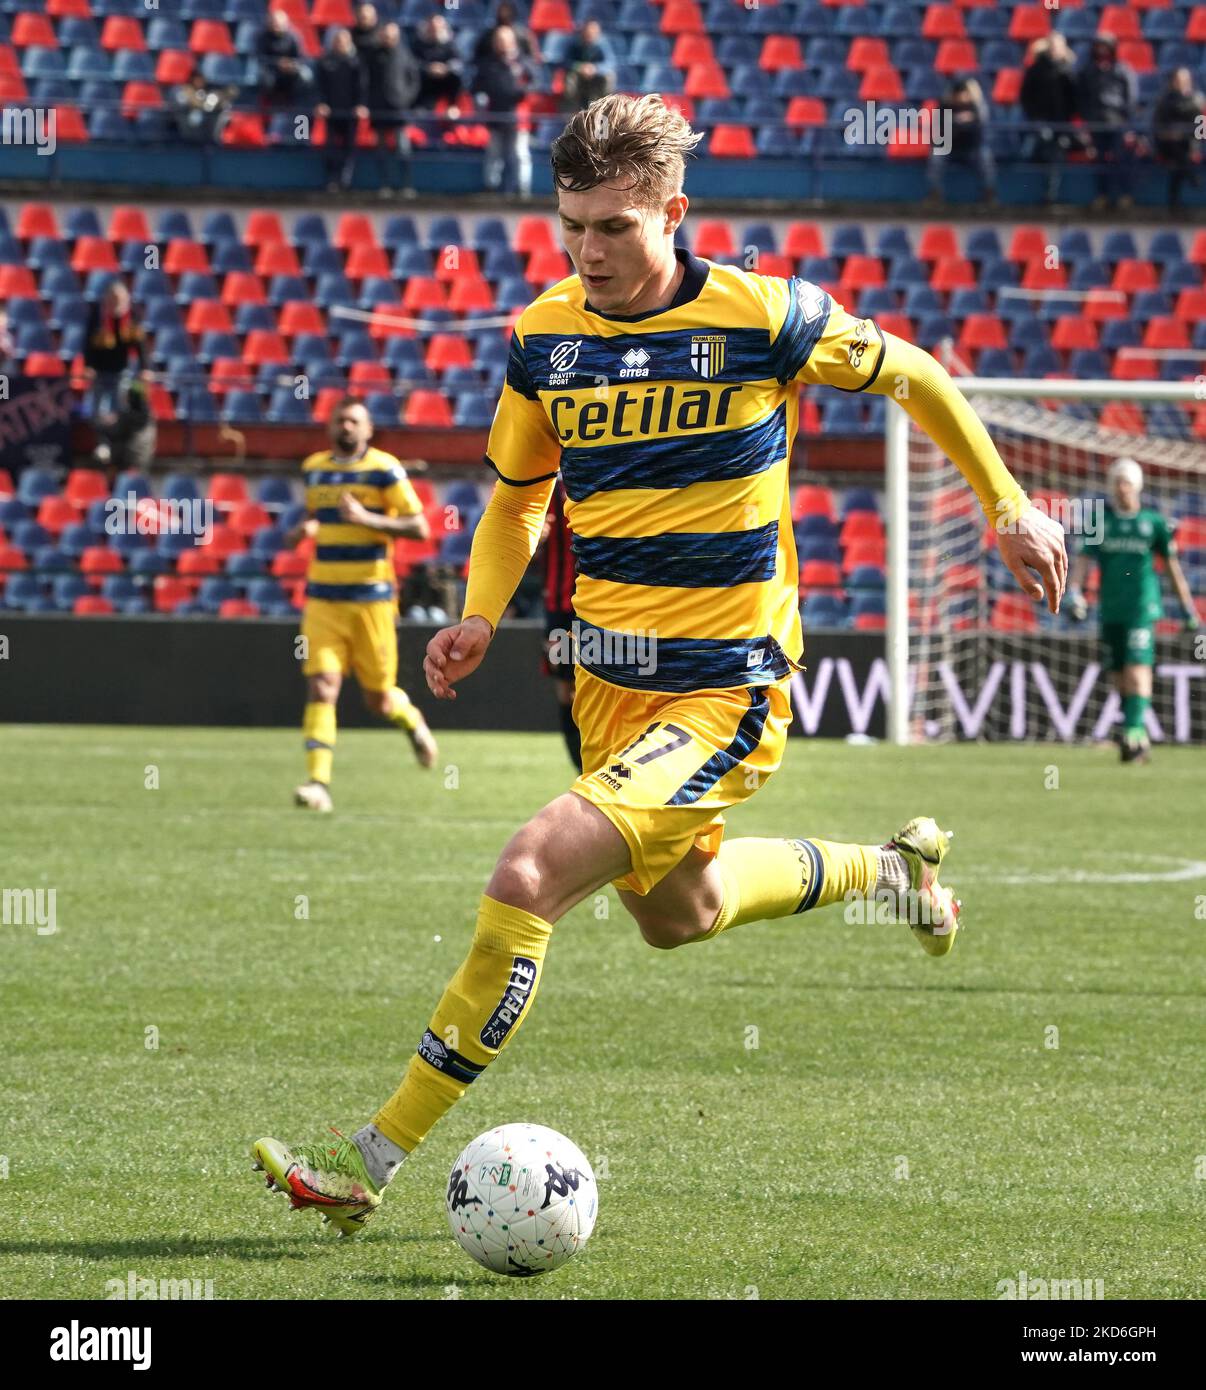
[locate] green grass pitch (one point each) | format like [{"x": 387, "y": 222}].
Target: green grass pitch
[{"x": 800, "y": 1109}]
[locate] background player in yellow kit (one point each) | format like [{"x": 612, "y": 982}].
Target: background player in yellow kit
[
  {"x": 359, "y": 501},
  {"x": 676, "y": 470}
]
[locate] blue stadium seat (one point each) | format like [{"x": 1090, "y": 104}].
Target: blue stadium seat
[
  {"x": 43, "y": 63},
  {"x": 1041, "y": 360},
  {"x": 106, "y": 124},
  {"x": 284, "y": 408},
  {"x": 1074, "y": 245},
  {"x": 823, "y": 610},
  {"x": 22, "y": 590},
  {"x": 249, "y": 317},
  {"x": 193, "y": 284},
  {"x": 34, "y": 484},
  {"x": 67, "y": 588},
  {"x": 244, "y": 566},
  {"x": 866, "y": 577},
  {"x": 841, "y": 415},
  {"x": 242, "y": 408},
  {"x": 274, "y": 492},
  {"x": 826, "y": 551},
  {"x": 270, "y": 540},
  {"x": 1118, "y": 245},
  {"x": 131, "y": 66},
  {"x": 1089, "y": 275},
  {"x": 332, "y": 290},
  {"x": 230, "y": 255},
  {"x": 214, "y": 591},
  {"x": 118, "y": 588},
  {"x": 141, "y": 559}
]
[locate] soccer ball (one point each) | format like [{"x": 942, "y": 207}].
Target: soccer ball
[{"x": 521, "y": 1199}]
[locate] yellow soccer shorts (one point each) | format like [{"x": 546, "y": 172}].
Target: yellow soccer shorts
[
  {"x": 356, "y": 637},
  {"x": 663, "y": 767}
]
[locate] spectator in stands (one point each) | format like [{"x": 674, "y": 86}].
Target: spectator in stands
[
  {"x": 500, "y": 83},
  {"x": 284, "y": 75},
  {"x": 342, "y": 91},
  {"x": 440, "y": 63},
  {"x": 507, "y": 16},
  {"x": 968, "y": 113},
  {"x": 393, "y": 86},
  {"x": 366, "y": 30},
  {"x": 202, "y": 111},
  {"x": 1106, "y": 95},
  {"x": 1049, "y": 101},
  {"x": 1174, "y": 126},
  {"x": 112, "y": 337},
  {"x": 7, "y": 346},
  {"x": 126, "y": 439},
  {"x": 590, "y": 67}
]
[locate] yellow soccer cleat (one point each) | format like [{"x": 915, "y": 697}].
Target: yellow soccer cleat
[
  {"x": 932, "y": 911},
  {"x": 329, "y": 1177}
]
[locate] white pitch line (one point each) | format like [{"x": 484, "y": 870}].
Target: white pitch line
[{"x": 1189, "y": 869}]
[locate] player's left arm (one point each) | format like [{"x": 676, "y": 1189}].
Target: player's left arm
[
  {"x": 1166, "y": 546},
  {"x": 856, "y": 355}
]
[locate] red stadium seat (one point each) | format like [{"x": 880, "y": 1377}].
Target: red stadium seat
[
  {"x": 248, "y": 518},
  {"x": 243, "y": 287},
  {"x": 1132, "y": 275},
  {"x": 173, "y": 67},
  {"x": 210, "y": 36},
  {"x": 706, "y": 80},
  {"x": 37, "y": 219},
  {"x": 864, "y": 553},
  {"x": 544, "y": 267},
  {"x": 448, "y": 350},
  {"x": 229, "y": 374},
  {"x": 364, "y": 376},
  {"x": 1072, "y": 333},
  {"x": 365, "y": 260},
  {"x": 1137, "y": 55},
  {"x": 69, "y": 9},
  {"x": 1029, "y": 22},
  {"x": 12, "y": 558},
  {"x": 276, "y": 258},
  {"x": 228, "y": 489},
  {"x": 467, "y": 295},
  {"x": 805, "y": 111},
  {"x": 870, "y": 622},
  {"x": 129, "y": 223},
  {"x": 453, "y": 263},
  {"x": 225, "y": 541},
  {"x": 859, "y": 273},
  {"x": 44, "y": 364},
  {"x": 1191, "y": 305},
  {"x": 425, "y": 292},
  {"x": 1102, "y": 303},
  {"x": 6, "y": 483},
  {"x": 326, "y": 401},
  {"x": 91, "y": 606},
  {"x": 953, "y": 273},
  {"x": 245, "y": 128},
  {"x": 821, "y": 574},
  {"x": 780, "y": 51},
  {"x": 93, "y": 253},
  {"x": 354, "y": 229},
  {"x": 1039, "y": 276},
  {"x": 17, "y": 282},
  {"x": 550, "y": 14},
  {"x": 775, "y": 263},
  {"x": 300, "y": 316},
  {"x": 387, "y": 321},
  {"x": 732, "y": 142},
  {"x": 812, "y": 500},
  {"x": 169, "y": 592},
  {"x": 1014, "y": 612},
  {"x": 937, "y": 242},
  {"x": 1164, "y": 331},
  {"x": 428, "y": 409},
  {"x": 692, "y": 48},
  {"x": 56, "y": 512},
  {"x": 198, "y": 563},
  {"x": 324, "y": 12},
  {"x": 982, "y": 331},
  {"x": 713, "y": 239},
  {"x": 1123, "y": 416},
  {"x": 803, "y": 239},
  {"x": 1028, "y": 243},
  {"x": 956, "y": 55},
  {"x": 99, "y": 559},
  {"x": 533, "y": 233},
  {"x": 862, "y": 526},
  {"x": 237, "y": 608},
  {"x": 140, "y": 96},
  {"x": 31, "y": 30},
  {"x": 1195, "y": 30},
  {"x": 1191, "y": 533},
  {"x": 13, "y": 88},
  {"x": 265, "y": 345},
  {"x": 162, "y": 406},
  {"x": 182, "y": 256},
  {"x": 866, "y": 52},
  {"x": 70, "y": 126},
  {"x": 122, "y": 32},
  {"x": 85, "y": 485},
  {"x": 208, "y": 316},
  {"x": 881, "y": 84},
  {"x": 681, "y": 17},
  {"x": 289, "y": 564},
  {"x": 1133, "y": 364},
  {"x": 1007, "y": 88},
  {"x": 942, "y": 22},
  {"x": 1120, "y": 20}
]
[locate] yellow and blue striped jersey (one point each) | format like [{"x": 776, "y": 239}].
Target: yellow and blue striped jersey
[
  {"x": 672, "y": 431},
  {"x": 353, "y": 564}
]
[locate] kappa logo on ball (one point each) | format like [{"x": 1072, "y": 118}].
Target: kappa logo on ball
[{"x": 516, "y": 995}]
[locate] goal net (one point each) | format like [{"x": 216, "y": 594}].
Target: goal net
[{"x": 969, "y": 655}]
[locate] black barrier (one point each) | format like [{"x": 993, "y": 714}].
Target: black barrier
[{"x": 211, "y": 672}]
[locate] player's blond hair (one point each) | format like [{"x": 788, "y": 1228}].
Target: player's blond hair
[{"x": 638, "y": 143}]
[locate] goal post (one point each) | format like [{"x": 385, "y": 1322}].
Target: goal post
[{"x": 967, "y": 654}]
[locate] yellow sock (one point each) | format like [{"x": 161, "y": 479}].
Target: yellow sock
[
  {"x": 485, "y": 1002},
  {"x": 318, "y": 726},
  {"x": 766, "y": 879},
  {"x": 403, "y": 714}
]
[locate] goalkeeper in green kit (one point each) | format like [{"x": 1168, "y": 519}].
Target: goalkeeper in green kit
[{"x": 1130, "y": 603}]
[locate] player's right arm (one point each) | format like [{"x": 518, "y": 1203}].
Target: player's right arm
[{"x": 525, "y": 453}]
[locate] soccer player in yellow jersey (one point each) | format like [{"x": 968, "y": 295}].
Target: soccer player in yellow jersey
[
  {"x": 663, "y": 388},
  {"x": 358, "y": 500}
]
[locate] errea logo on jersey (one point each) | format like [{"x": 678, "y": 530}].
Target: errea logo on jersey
[
  {"x": 561, "y": 361},
  {"x": 634, "y": 361}
]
